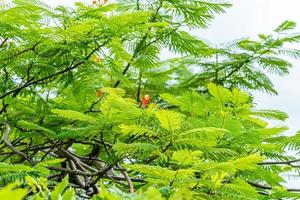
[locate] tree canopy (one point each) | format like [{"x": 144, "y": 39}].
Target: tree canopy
[{"x": 92, "y": 109}]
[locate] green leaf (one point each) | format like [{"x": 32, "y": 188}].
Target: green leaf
[
  {"x": 271, "y": 114},
  {"x": 248, "y": 162},
  {"x": 285, "y": 26},
  {"x": 222, "y": 94},
  {"x": 74, "y": 115},
  {"x": 239, "y": 189},
  {"x": 169, "y": 120},
  {"x": 135, "y": 130},
  {"x": 185, "y": 157},
  {"x": 69, "y": 194},
  {"x": 8, "y": 192},
  {"x": 51, "y": 162},
  {"x": 239, "y": 97},
  {"x": 57, "y": 193},
  {"x": 183, "y": 194},
  {"x": 32, "y": 126}
]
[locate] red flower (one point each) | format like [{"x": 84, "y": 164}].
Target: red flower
[
  {"x": 94, "y": 2},
  {"x": 145, "y": 100}
]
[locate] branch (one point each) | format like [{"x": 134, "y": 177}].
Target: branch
[
  {"x": 3, "y": 42},
  {"x": 93, "y": 105},
  {"x": 24, "y": 51},
  {"x": 72, "y": 172},
  {"x": 86, "y": 158},
  {"x": 149, "y": 160},
  {"x": 289, "y": 162},
  {"x": 77, "y": 177},
  {"x": 128, "y": 179},
  {"x": 265, "y": 187},
  {"x": 78, "y": 172},
  {"x": 138, "y": 180},
  {"x": 3, "y": 109},
  {"x": 6, "y": 141}
]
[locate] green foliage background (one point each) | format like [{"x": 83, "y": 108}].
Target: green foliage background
[{"x": 74, "y": 125}]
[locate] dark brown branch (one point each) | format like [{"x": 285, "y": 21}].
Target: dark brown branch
[
  {"x": 48, "y": 152},
  {"x": 265, "y": 187},
  {"x": 3, "y": 42},
  {"x": 93, "y": 105},
  {"x": 3, "y": 109},
  {"x": 72, "y": 172},
  {"x": 24, "y": 51},
  {"x": 288, "y": 162},
  {"x": 86, "y": 158}
]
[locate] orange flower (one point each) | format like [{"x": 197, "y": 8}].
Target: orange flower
[
  {"x": 99, "y": 93},
  {"x": 94, "y": 2}
]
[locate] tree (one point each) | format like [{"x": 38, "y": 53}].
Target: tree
[{"x": 91, "y": 110}]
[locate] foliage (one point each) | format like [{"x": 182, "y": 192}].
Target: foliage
[{"x": 91, "y": 110}]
